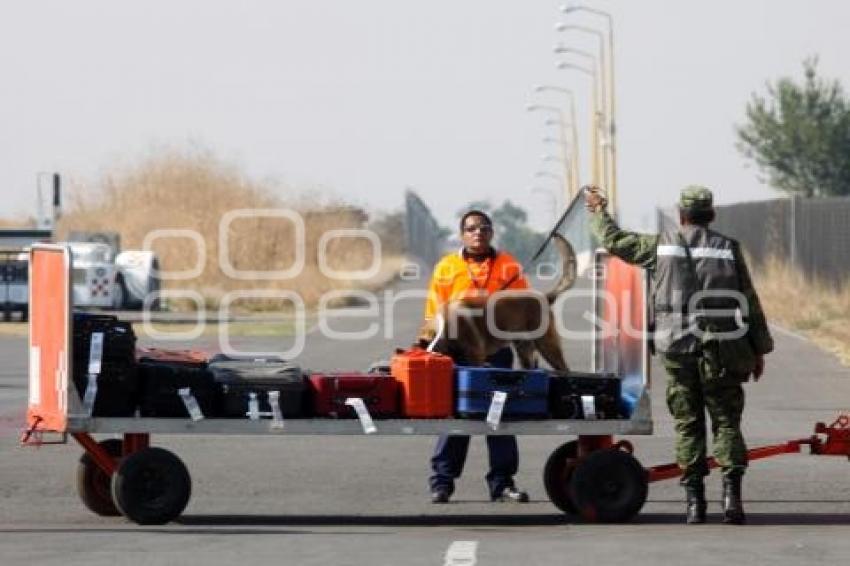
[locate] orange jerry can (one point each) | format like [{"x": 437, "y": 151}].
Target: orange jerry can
[{"x": 426, "y": 383}]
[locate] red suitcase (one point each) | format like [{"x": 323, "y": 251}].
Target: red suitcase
[{"x": 330, "y": 390}]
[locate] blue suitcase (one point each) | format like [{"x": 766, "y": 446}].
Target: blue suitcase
[{"x": 528, "y": 392}]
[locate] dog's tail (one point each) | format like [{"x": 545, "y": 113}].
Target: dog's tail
[{"x": 569, "y": 270}]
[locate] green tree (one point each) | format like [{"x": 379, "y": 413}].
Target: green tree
[{"x": 799, "y": 135}]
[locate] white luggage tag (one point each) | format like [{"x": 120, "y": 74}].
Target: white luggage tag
[
  {"x": 277, "y": 413},
  {"x": 90, "y": 394},
  {"x": 588, "y": 405},
  {"x": 253, "y": 407},
  {"x": 96, "y": 353},
  {"x": 363, "y": 414},
  {"x": 94, "y": 369},
  {"x": 191, "y": 404},
  {"x": 497, "y": 407}
]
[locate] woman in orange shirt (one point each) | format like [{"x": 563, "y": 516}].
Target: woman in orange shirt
[{"x": 476, "y": 269}]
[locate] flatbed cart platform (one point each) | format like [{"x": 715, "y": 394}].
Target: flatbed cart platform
[{"x": 594, "y": 476}]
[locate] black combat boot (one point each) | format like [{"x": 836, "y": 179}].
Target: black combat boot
[
  {"x": 695, "y": 504},
  {"x": 733, "y": 507}
]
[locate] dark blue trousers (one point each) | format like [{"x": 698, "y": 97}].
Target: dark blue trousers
[{"x": 450, "y": 452}]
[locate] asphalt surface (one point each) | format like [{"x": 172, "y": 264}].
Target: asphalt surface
[{"x": 363, "y": 500}]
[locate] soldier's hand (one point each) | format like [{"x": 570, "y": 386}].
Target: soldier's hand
[
  {"x": 594, "y": 198},
  {"x": 759, "y": 369}
]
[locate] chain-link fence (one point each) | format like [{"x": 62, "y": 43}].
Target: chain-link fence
[
  {"x": 812, "y": 234},
  {"x": 424, "y": 238}
]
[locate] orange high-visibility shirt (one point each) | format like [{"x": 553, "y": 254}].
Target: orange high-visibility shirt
[{"x": 456, "y": 277}]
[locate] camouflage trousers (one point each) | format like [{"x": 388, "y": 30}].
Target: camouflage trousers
[{"x": 694, "y": 386}]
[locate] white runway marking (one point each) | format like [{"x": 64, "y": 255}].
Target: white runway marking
[{"x": 462, "y": 553}]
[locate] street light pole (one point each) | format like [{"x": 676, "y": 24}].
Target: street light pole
[
  {"x": 600, "y": 95},
  {"x": 550, "y": 157},
  {"x": 612, "y": 106},
  {"x": 595, "y": 120},
  {"x": 603, "y": 65},
  {"x": 562, "y": 125},
  {"x": 549, "y": 175},
  {"x": 575, "y": 161}
]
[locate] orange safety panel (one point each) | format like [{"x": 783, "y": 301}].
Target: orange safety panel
[
  {"x": 623, "y": 315},
  {"x": 50, "y": 339}
]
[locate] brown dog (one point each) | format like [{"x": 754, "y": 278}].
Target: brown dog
[{"x": 462, "y": 328}]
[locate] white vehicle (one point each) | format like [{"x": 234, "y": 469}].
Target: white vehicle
[{"x": 101, "y": 280}]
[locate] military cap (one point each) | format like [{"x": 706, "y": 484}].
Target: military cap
[{"x": 696, "y": 198}]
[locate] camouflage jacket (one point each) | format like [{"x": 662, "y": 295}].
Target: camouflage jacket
[{"x": 640, "y": 249}]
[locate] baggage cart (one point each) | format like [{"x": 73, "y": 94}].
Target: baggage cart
[
  {"x": 592, "y": 476},
  {"x": 150, "y": 485}
]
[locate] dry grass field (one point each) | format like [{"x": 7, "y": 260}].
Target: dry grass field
[
  {"x": 819, "y": 311},
  {"x": 194, "y": 190}
]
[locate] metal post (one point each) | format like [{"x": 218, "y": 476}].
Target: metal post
[
  {"x": 612, "y": 127},
  {"x": 792, "y": 244}
]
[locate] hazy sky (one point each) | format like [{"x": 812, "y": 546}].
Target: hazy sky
[{"x": 365, "y": 98}]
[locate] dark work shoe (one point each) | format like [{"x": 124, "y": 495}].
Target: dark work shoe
[
  {"x": 733, "y": 507},
  {"x": 512, "y": 494},
  {"x": 696, "y": 505},
  {"x": 440, "y": 496}
]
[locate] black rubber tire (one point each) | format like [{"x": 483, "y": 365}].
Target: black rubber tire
[
  {"x": 609, "y": 486},
  {"x": 151, "y": 487},
  {"x": 557, "y": 474},
  {"x": 95, "y": 487}
]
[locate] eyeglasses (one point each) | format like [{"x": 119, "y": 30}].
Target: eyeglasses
[{"x": 483, "y": 228}]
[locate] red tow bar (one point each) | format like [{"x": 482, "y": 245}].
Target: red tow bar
[{"x": 834, "y": 441}]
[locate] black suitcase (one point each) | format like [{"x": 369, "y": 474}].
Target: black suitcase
[
  {"x": 119, "y": 340},
  {"x": 160, "y": 386},
  {"x": 117, "y": 389},
  {"x": 117, "y": 381},
  {"x": 567, "y": 389},
  {"x": 239, "y": 377}
]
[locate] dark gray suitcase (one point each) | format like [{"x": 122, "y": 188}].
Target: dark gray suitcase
[
  {"x": 161, "y": 383},
  {"x": 566, "y": 390},
  {"x": 238, "y": 378}
]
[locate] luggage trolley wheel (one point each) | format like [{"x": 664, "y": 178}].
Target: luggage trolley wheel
[
  {"x": 151, "y": 486},
  {"x": 557, "y": 474},
  {"x": 93, "y": 485},
  {"x": 609, "y": 486}
]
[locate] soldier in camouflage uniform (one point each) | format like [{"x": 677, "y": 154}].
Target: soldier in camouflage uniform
[{"x": 699, "y": 281}]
